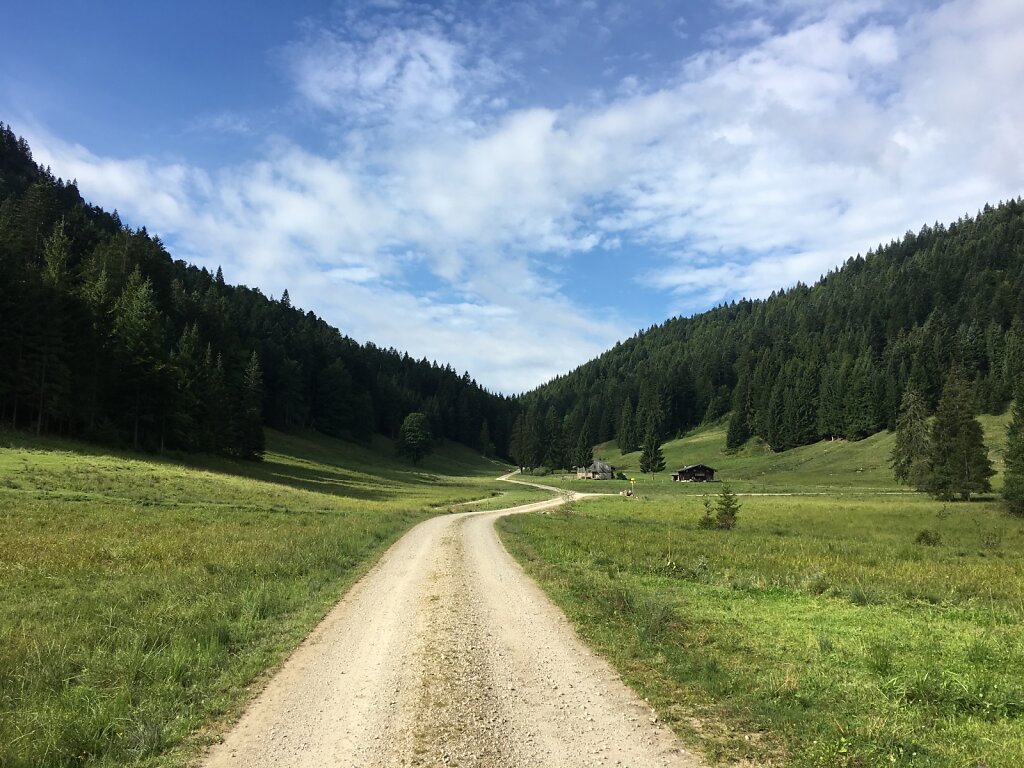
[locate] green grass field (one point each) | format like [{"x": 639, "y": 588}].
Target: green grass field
[
  {"x": 141, "y": 598},
  {"x": 825, "y": 630}
]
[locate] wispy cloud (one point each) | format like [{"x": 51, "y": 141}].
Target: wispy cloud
[{"x": 790, "y": 142}]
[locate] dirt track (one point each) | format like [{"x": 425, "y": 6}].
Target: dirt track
[{"x": 447, "y": 654}]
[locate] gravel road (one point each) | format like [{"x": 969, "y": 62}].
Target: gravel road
[{"x": 447, "y": 654}]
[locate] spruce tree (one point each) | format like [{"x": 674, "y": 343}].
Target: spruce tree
[
  {"x": 1013, "y": 483},
  {"x": 909, "y": 459},
  {"x": 626, "y": 435},
  {"x": 583, "y": 454},
  {"x": 958, "y": 458},
  {"x": 249, "y": 427},
  {"x": 485, "y": 444},
  {"x": 517, "y": 442},
  {"x": 652, "y": 459}
]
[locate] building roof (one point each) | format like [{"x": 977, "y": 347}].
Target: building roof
[
  {"x": 697, "y": 466},
  {"x": 600, "y": 466}
]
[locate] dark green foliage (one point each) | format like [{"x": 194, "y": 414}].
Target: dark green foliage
[
  {"x": 652, "y": 459},
  {"x": 249, "y": 421},
  {"x": 828, "y": 361},
  {"x": 722, "y": 513},
  {"x": 928, "y": 537},
  {"x": 103, "y": 335},
  {"x": 556, "y": 455},
  {"x": 909, "y": 458},
  {"x": 484, "y": 444},
  {"x": 583, "y": 453},
  {"x": 414, "y": 438},
  {"x": 1013, "y": 482},
  {"x": 958, "y": 459},
  {"x": 626, "y": 433}
]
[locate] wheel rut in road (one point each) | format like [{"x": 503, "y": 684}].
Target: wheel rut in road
[{"x": 447, "y": 654}]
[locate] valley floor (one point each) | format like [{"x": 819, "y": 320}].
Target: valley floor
[{"x": 447, "y": 654}]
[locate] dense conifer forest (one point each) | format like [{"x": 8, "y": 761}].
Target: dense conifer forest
[
  {"x": 104, "y": 336},
  {"x": 810, "y": 363}
]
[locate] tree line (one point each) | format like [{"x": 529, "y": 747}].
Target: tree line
[
  {"x": 832, "y": 360},
  {"x": 104, "y": 336}
]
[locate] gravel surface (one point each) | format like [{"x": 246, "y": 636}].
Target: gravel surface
[{"x": 447, "y": 654}]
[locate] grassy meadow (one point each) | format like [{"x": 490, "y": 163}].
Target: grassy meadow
[
  {"x": 845, "y": 625},
  {"x": 141, "y": 598}
]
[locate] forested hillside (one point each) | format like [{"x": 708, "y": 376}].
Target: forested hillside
[
  {"x": 822, "y": 361},
  {"x": 103, "y": 335}
]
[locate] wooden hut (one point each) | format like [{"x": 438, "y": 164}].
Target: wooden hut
[
  {"x": 694, "y": 473},
  {"x": 599, "y": 470}
]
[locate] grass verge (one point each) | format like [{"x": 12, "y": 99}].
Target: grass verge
[{"x": 822, "y": 631}]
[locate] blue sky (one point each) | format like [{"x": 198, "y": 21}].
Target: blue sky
[{"x": 513, "y": 187}]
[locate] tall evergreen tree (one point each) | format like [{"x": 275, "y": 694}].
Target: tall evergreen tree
[
  {"x": 1013, "y": 482},
  {"x": 517, "y": 448},
  {"x": 485, "y": 444},
  {"x": 958, "y": 458},
  {"x": 557, "y": 451},
  {"x": 910, "y": 452},
  {"x": 626, "y": 434},
  {"x": 652, "y": 460},
  {"x": 583, "y": 454},
  {"x": 136, "y": 331},
  {"x": 249, "y": 427}
]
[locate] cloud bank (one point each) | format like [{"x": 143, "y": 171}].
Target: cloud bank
[{"x": 441, "y": 216}]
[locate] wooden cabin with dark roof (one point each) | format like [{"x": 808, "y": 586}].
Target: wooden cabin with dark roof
[{"x": 694, "y": 473}]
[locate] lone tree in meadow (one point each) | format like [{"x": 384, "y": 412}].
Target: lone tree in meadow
[
  {"x": 1013, "y": 483},
  {"x": 651, "y": 458},
  {"x": 414, "y": 438},
  {"x": 909, "y": 459},
  {"x": 958, "y": 459},
  {"x": 723, "y": 513}
]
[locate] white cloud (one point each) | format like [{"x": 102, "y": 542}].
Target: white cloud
[{"x": 825, "y": 133}]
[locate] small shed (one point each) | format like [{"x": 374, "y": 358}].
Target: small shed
[
  {"x": 599, "y": 470},
  {"x": 694, "y": 473}
]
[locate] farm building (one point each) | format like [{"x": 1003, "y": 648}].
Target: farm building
[
  {"x": 694, "y": 473},
  {"x": 599, "y": 470}
]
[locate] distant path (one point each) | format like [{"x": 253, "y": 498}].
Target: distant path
[{"x": 445, "y": 654}]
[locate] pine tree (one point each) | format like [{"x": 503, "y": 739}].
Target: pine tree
[
  {"x": 652, "y": 459},
  {"x": 909, "y": 459},
  {"x": 517, "y": 442},
  {"x": 1013, "y": 483},
  {"x": 332, "y": 414},
  {"x": 727, "y": 509},
  {"x": 249, "y": 427},
  {"x": 485, "y": 444},
  {"x": 414, "y": 438},
  {"x": 583, "y": 454},
  {"x": 557, "y": 451},
  {"x": 739, "y": 422},
  {"x": 136, "y": 332},
  {"x": 958, "y": 458},
  {"x": 626, "y": 434}
]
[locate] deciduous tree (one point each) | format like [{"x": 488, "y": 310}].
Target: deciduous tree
[{"x": 414, "y": 438}]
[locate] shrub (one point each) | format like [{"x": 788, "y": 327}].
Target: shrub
[
  {"x": 726, "y": 508},
  {"x": 928, "y": 537}
]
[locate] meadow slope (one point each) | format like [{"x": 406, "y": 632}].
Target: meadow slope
[{"x": 850, "y": 624}]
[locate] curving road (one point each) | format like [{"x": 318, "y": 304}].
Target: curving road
[{"x": 447, "y": 654}]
